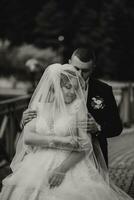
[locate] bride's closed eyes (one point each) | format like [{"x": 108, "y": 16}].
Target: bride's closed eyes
[
  {"x": 69, "y": 86},
  {"x": 69, "y": 90}
]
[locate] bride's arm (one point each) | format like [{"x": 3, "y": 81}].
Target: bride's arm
[
  {"x": 34, "y": 139},
  {"x": 76, "y": 157},
  {"x": 70, "y": 162},
  {"x": 85, "y": 147}
]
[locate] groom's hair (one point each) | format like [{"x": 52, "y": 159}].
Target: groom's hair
[{"x": 84, "y": 54}]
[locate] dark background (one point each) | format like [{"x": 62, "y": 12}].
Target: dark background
[
  {"x": 106, "y": 26},
  {"x": 47, "y": 31}
]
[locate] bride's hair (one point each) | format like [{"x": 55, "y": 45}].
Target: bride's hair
[
  {"x": 66, "y": 79},
  {"x": 50, "y": 97}
]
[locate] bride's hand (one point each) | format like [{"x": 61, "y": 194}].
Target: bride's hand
[{"x": 57, "y": 177}]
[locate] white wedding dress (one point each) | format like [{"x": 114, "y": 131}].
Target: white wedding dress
[{"x": 30, "y": 180}]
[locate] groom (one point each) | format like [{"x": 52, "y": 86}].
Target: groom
[
  {"x": 105, "y": 121},
  {"x": 101, "y": 104}
]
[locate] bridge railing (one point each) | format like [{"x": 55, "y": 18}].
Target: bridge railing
[
  {"x": 124, "y": 95},
  {"x": 10, "y": 116}
]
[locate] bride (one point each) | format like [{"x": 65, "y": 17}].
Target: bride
[{"x": 54, "y": 157}]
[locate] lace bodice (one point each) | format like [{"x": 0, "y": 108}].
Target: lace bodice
[
  {"x": 63, "y": 124},
  {"x": 59, "y": 128}
]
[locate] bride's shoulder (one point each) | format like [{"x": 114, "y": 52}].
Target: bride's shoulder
[{"x": 40, "y": 106}]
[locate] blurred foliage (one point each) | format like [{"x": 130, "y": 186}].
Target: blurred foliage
[
  {"x": 106, "y": 26},
  {"x": 13, "y": 59}
]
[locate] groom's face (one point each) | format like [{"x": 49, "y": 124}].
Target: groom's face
[{"x": 85, "y": 69}]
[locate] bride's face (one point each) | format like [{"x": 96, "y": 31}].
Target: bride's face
[{"x": 69, "y": 90}]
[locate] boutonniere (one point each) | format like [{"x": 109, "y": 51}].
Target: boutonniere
[{"x": 97, "y": 102}]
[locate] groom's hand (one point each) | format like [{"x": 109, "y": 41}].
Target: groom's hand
[
  {"x": 91, "y": 126},
  {"x": 27, "y": 116}
]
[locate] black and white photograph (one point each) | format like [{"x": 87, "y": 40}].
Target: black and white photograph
[{"x": 66, "y": 100}]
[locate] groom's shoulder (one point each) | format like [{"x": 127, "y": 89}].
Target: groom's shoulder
[{"x": 101, "y": 84}]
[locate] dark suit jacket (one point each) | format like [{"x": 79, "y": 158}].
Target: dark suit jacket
[{"x": 107, "y": 116}]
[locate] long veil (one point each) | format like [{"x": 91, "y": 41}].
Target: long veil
[{"x": 49, "y": 92}]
